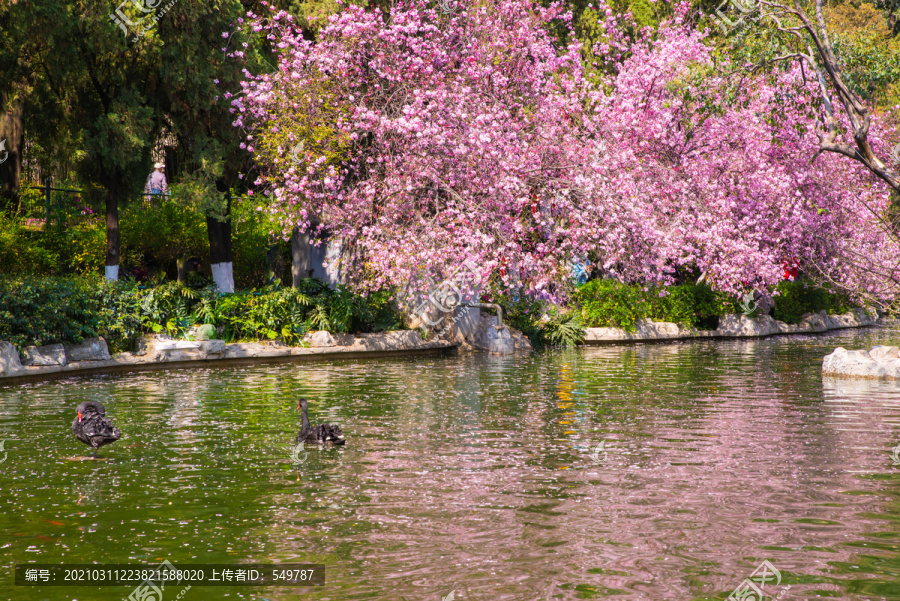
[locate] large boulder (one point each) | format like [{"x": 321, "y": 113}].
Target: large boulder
[
  {"x": 92, "y": 349},
  {"x": 852, "y": 319},
  {"x": 254, "y": 350},
  {"x": 212, "y": 349},
  {"x": 647, "y": 329},
  {"x": 323, "y": 338},
  {"x": 396, "y": 340},
  {"x": 814, "y": 322},
  {"x": 47, "y": 355},
  {"x": 880, "y": 362},
  {"x": 164, "y": 348},
  {"x": 738, "y": 325},
  {"x": 488, "y": 337},
  {"x": 884, "y": 353},
  {"x": 10, "y": 364},
  {"x": 790, "y": 328},
  {"x": 520, "y": 339},
  {"x": 206, "y": 332},
  {"x": 499, "y": 341}
]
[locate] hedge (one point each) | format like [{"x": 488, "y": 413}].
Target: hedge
[{"x": 37, "y": 311}]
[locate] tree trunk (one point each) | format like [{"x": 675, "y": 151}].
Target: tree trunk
[
  {"x": 112, "y": 228},
  {"x": 12, "y": 139},
  {"x": 300, "y": 268},
  {"x": 220, "y": 260},
  {"x": 181, "y": 276}
]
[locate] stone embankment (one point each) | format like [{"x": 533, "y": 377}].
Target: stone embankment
[
  {"x": 92, "y": 356},
  {"x": 732, "y": 326}
]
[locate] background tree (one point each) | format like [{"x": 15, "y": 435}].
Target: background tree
[
  {"x": 193, "y": 82},
  {"x": 846, "y": 120}
]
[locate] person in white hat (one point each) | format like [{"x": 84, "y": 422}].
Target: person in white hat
[{"x": 156, "y": 183}]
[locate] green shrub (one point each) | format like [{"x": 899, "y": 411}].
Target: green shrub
[
  {"x": 524, "y": 313},
  {"x": 608, "y": 303},
  {"x": 21, "y": 250},
  {"x": 206, "y": 331},
  {"x": 154, "y": 236},
  {"x": 545, "y": 324},
  {"x": 45, "y": 310},
  {"x": 251, "y": 238},
  {"x": 121, "y": 317},
  {"x": 277, "y": 312},
  {"x": 697, "y": 306},
  {"x": 794, "y": 299}
]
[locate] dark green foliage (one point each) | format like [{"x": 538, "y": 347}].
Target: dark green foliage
[
  {"x": 21, "y": 253},
  {"x": 563, "y": 330},
  {"x": 689, "y": 304},
  {"x": 607, "y": 303},
  {"x": 156, "y": 235},
  {"x": 794, "y": 299},
  {"x": 45, "y": 310},
  {"x": 118, "y": 305},
  {"x": 543, "y": 323},
  {"x": 524, "y": 315}
]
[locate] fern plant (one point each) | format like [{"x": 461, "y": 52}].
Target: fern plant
[{"x": 564, "y": 330}]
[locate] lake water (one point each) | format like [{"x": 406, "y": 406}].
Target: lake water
[{"x": 655, "y": 471}]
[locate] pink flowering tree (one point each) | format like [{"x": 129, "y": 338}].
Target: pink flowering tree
[
  {"x": 426, "y": 138},
  {"x": 732, "y": 172}
]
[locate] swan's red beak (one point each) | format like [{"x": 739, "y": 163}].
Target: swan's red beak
[
  {"x": 298, "y": 405},
  {"x": 79, "y": 416}
]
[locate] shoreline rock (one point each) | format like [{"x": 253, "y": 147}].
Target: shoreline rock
[
  {"x": 732, "y": 326},
  {"x": 92, "y": 349},
  {"x": 160, "y": 350},
  {"x": 50, "y": 354},
  {"x": 878, "y": 363},
  {"x": 93, "y": 355},
  {"x": 10, "y": 364}
]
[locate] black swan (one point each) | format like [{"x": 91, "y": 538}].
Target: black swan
[
  {"x": 91, "y": 427},
  {"x": 323, "y": 434}
]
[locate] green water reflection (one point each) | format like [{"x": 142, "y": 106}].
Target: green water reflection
[{"x": 633, "y": 472}]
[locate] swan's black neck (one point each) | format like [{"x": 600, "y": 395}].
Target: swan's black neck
[{"x": 304, "y": 430}]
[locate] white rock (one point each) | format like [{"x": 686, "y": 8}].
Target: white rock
[
  {"x": 50, "y": 354},
  {"x": 884, "y": 353},
  {"x": 162, "y": 347},
  {"x": 323, "y": 338},
  {"x": 92, "y": 349},
  {"x": 500, "y": 342},
  {"x": 212, "y": 349},
  {"x": 249, "y": 350},
  {"x": 10, "y": 364},
  {"x": 861, "y": 364},
  {"x": 815, "y": 322},
  {"x": 735, "y": 324},
  {"x": 390, "y": 341}
]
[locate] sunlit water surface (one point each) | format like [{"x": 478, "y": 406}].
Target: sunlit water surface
[{"x": 477, "y": 475}]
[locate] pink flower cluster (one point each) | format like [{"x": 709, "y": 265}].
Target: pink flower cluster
[{"x": 427, "y": 138}]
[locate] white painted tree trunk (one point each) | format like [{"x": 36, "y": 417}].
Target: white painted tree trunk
[
  {"x": 112, "y": 272},
  {"x": 223, "y": 276}
]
